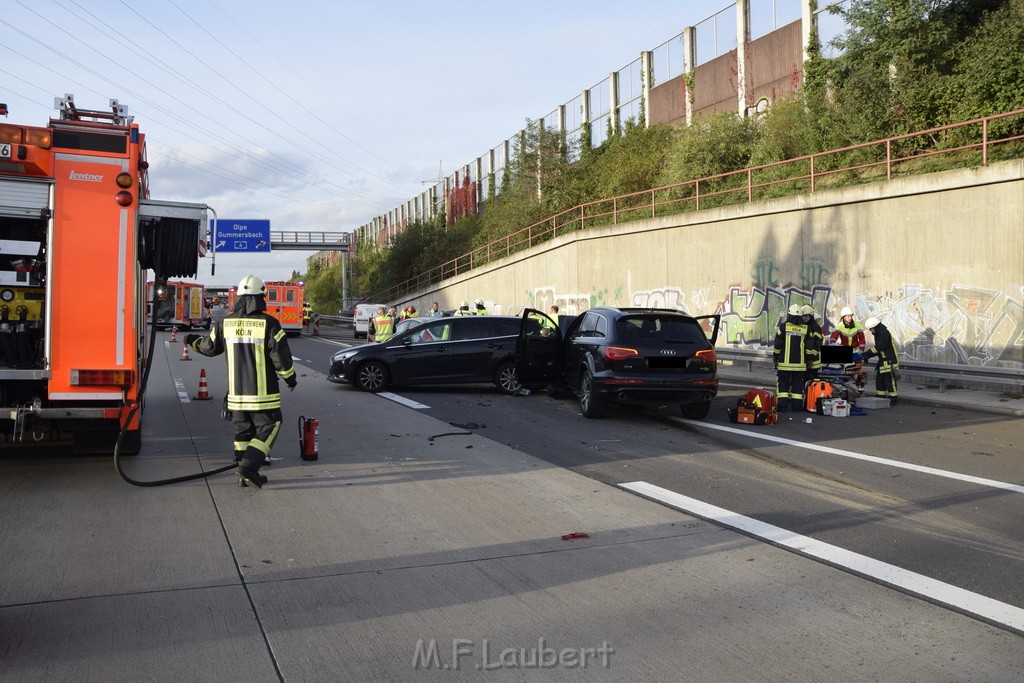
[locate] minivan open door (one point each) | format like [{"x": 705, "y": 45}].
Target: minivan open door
[{"x": 538, "y": 350}]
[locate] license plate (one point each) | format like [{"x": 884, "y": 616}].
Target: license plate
[{"x": 5, "y": 150}]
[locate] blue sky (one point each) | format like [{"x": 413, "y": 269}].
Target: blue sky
[{"x": 322, "y": 115}]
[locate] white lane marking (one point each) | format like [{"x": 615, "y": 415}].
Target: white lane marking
[
  {"x": 401, "y": 399},
  {"x": 990, "y": 610},
  {"x": 860, "y": 456},
  {"x": 179, "y": 385}
]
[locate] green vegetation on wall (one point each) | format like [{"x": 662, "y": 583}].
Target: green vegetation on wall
[{"x": 903, "y": 66}]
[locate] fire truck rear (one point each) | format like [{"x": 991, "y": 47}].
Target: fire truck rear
[
  {"x": 285, "y": 301},
  {"x": 182, "y": 305},
  {"x": 77, "y": 235}
]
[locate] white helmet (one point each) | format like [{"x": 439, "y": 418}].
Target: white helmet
[
  {"x": 251, "y": 284},
  {"x": 845, "y": 312},
  {"x": 464, "y": 304},
  {"x": 807, "y": 310},
  {"x": 872, "y": 322},
  {"x": 478, "y": 302},
  {"x": 794, "y": 309}
]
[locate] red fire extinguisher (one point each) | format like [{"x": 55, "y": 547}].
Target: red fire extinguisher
[{"x": 309, "y": 438}]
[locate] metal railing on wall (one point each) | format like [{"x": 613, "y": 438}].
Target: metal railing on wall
[
  {"x": 968, "y": 143},
  {"x": 608, "y": 104}
]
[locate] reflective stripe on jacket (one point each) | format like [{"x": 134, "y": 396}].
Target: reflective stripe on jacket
[{"x": 814, "y": 341}]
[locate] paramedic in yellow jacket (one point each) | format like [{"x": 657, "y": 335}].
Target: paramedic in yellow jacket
[
  {"x": 257, "y": 353},
  {"x": 792, "y": 358}
]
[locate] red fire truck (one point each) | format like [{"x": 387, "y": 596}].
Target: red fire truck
[
  {"x": 285, "y": 301},
  {"x": 77, "y": 235},
  {"x": 182, "y": 305}
]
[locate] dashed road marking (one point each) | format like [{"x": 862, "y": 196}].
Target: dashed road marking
[
  {"x": 972, "y": 604},
  {"x": 179, "y": 386},
  {"x": 1016, "y": 488},
  {"x": 404, "y": 401}
]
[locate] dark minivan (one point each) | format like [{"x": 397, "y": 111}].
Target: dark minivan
[
  {"x": 456, "y": 350},
  {"x": 629, "y": 355}
]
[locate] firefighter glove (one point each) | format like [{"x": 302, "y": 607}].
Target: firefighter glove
[
  {"x": 191, "y": 339},
  {"x": 292, "y": 383}
]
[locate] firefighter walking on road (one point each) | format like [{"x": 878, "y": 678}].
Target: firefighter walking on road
[
  {"x": 257, "y": 354},
  {"x": 792, "y": 360},
  {"x": 887, "y": 372}
]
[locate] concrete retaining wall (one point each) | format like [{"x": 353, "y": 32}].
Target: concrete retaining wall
[{"x": 939, "y": 258}]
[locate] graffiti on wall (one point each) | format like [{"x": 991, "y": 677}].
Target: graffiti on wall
[
  {"x": 750, "y": 316},
  {"x": 542, "y": 298},
  {"x": 670, "y": 296},
  {"x": 964, "y": 325}
]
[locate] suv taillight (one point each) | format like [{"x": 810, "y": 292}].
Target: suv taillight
[
  {"x": 619, "y": 353},
  {"x": 708, "y": 355}
]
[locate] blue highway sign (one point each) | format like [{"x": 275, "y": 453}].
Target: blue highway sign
[{"x": 241, "y": 234}]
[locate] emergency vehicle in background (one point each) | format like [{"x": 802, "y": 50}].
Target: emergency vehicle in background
[
  {"x": 285, "y": 301},
  {"x": 182, "y": 305},
  {"x": 78, "y": 233}
]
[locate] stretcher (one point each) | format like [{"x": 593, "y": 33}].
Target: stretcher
[{"x": 838, "y": 366}]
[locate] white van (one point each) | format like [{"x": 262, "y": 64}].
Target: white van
[{"x": 361, "y": 318}]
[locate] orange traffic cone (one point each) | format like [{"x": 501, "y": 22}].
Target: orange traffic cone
[
  {"x": 184, "y": 352},
  {"x": 174, "y": 333},
  {"x": 203, "y": 394}
]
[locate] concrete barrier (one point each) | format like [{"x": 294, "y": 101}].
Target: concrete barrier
[{"x": 939, "y": 258}]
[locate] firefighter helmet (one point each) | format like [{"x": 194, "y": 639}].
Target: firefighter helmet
[
  {"x": 794, "y": 309},
  {"x": 251, "y": 284},
  {"x": 845, "y": 312},
  {"x": 872, "y": 322},
  {"x": 464, "y": 304},
  {"x": 807, "y": 310}
]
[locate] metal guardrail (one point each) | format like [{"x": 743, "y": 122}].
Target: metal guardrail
[
  {"x": 338, "y": 319},
  {"x": 945, "y": 374}
]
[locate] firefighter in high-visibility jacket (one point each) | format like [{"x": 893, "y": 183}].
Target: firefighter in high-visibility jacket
[
  {"x": 815, "y": 338},
  {"x": 887, "y": 372},
  {"x": 792, "y": 359},
  {"x": 848, "y": 332},
  {"x": 383, "y": 327},
  {"x": 257, "y": 354}
]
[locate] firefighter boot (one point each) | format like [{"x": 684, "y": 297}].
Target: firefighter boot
[
  {"x": 247, "y": 477},
  {"x": 249, "y": 469}
]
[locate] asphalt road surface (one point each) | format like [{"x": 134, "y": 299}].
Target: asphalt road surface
[{"x": 895, "y": 485}]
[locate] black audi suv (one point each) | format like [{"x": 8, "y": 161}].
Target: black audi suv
[{"x": 628, "y": 355}]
